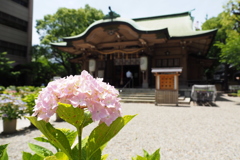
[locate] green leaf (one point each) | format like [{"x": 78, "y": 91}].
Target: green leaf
[
  {"x": 147, "y": 156},
  {"x": 29, "y": 156},
  {"x": 155, "y": 155},
  {"x": 75, "y": 150},
  {"x": 87, "y": 118},
  {"x": 56, "y": 137},
  {"x": 3, "y": 152},
  {"x": 70, "y": 134},
  {"x": 84, "y": 141},
  {"x": 145, "y": 153},
  {"x": 103, "y": 133},
  {"x": 74, "y": 116},
  {"x": 104, "y": 157},
  {"x": 36, "y": 157},
  {"x": 58, "y": 156},
  {"x": 26, "y": 156},
  {"x": 39, "y": 150},
  {"x": 42, "y": 139},
  {"x": 139, "y": 158}
]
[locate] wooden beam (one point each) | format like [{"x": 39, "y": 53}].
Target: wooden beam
[
  {"x": 114, "y": 44},
  {"x": 125, "y": 51},
  {"x": 83, "y": 45},
  {"x": 143, "y": 42}
]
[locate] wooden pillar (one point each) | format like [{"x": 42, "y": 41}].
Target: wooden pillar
[
  {"x": 144, "y": 67},
  {"x": 145, "y": 79},
  {"x": 157, "y": 81},
  {"x": 85, "y": 65},
  {"x": 184, "y": 65}
]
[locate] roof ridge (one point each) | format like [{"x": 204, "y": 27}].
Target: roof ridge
[{"x": 165, "y": 15}]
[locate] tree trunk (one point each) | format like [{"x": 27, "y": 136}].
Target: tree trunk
[{"x": 225, "y": 83}]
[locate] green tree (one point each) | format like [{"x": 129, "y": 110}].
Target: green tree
[
  {"x": 226, "y": 44},
  {"x": 215, "y": 23},
  {"x": 230, "y": 21},
  {"x": 8, "y": 76},
  {"x": 227, "y": 40},
  {"x": 65, "y": 22},
  {"x": 38, "y": 51}
]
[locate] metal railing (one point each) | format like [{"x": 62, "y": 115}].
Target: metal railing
[{"x": 129, "y": 83}]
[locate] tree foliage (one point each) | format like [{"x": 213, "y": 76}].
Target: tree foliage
[
  {"x": 227, "y": 40},
  {"x": 65, "y": 22},
  {"x": 8, "y": 76},
  {"x": 230, "y": 50},
  {"x": 214, "y": 23}
]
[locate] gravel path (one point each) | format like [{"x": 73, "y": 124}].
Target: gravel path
[{"x": 182, "y": 133}]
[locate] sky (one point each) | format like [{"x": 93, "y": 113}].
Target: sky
[{"x": 131, "y": 8}]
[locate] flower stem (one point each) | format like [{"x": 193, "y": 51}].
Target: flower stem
[{"x": 80, "y": 141}]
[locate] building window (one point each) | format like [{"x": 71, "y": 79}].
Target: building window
[
  {"x": 13, "y": 49},
  {"x": 170, "y": 62},
  {"x": 173, "y": 62},
  {"x": 13, "y": 22},
  {"x": 22, "y": 2},
  {"x": 176, "y": 62},
  {"x": 101, "y": 64},
  {"x": 164, "y": 62},
  {"x": 158, "y": 62}
]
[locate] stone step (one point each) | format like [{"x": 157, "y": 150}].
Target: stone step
[
  {"x": 140, "y": 95},
  {"x": 136, "y": 90},
  {"x": 136, "y": 97},
  {"x": 186, "y": 100},
  {"x": 147, "y": 98},
  {"x": 137, "y": 101}
]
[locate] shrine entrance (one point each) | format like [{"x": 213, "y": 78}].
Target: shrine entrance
[{"x": 121, "y": 79}]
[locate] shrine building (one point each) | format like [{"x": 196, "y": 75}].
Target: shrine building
[{"x": 110, "y": 47}]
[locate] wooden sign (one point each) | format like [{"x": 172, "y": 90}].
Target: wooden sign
[{"x": 167, "y": 81}]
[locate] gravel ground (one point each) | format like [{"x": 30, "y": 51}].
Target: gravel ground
[{"x": 182, "y": 133}]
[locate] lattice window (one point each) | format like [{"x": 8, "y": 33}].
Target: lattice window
[
  {"x": 172, "y": 62},
  {"x": 167, "y": 82}
]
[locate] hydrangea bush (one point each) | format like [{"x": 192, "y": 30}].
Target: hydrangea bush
[
  {"x": 82, "y": 92},
  {"x": 79, "y": 100},
  {"x": 11, "y": 107}
]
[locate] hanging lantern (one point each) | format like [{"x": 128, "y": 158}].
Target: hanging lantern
[
  {"x": 92, "y": 65},
  {"x": 143, "y": 63}
]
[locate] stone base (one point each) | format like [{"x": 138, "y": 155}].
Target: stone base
[{"x": 144, "y": 85}]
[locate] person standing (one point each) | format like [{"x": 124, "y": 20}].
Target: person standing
[{"x": 129, "y": 77}]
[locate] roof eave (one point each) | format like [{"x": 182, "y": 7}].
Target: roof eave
[
  {"x": 196, "y": 35},
  {"x": 88, "y": 31}
]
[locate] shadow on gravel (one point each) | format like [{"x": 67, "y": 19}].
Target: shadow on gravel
[
  {"x": 205, "y": 104},
  {"x": 22, "y": 131},
  {"x": 220, "y": 97},
  {"x": 173, "y": 105}
]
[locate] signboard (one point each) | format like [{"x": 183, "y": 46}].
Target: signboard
[{"x": 132, "y": 61}]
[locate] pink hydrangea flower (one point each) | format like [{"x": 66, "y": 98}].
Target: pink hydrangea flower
[{"x": 81, "y": 91}]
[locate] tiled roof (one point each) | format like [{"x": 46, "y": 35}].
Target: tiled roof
[{"x": 179, "y": 25}]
